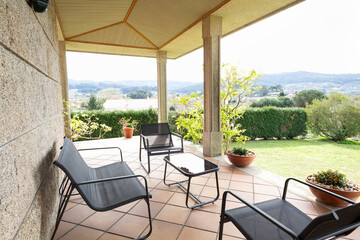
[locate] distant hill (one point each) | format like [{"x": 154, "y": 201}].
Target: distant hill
[{"x": 291, "y": 82}]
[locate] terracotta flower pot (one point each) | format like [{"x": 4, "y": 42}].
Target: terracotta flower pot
[
  {"x": 240, "y": 161},
  {"x": 128, "y": 132},
  {"x": 330, "y": 200}
]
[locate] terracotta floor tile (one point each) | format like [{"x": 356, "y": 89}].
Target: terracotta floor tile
[
  {"x": 63, "y": 228},
  {"x": 238, "y": 171},
  {"x": 173, "y": 214},
  {"x": 161, "y": 195},
  {"x": 241, "y": 186},
  {"x": 179, "y": 199},
  {"x": 248, "y": 196},
  {"x": 70, "y": 205},
  {"x": 172, "y": 188},
  {"x": 224, "y": 175},
  {"x": 262, "y": 197},
  {"x": 231, "y": 230},
  {"x": 291, "y": 195},
  {"x": 320, "y": 209},
  {"x": 191, "y": 233},
  {"x": 267, "y": 190},
  {"x": 228, "y": 169},
  {"x": 82, "y": 233},
  {"x": 109, "y": 236},
  {"x": 141, "y": 209},
  {"x": 164, "y": 231},
  {"x": 78, "y": 213},
  {"x": 214, "y": 207},
  {"x": 226, "y": 237},
  {"x": 130, "y": 226},
  {"x": 127, "y": 207},
  {"x": 156, "y": 174},
  {"x": 199, "y": 180},
  {"x": 152, "y": 182},
  {"x": 76, "y": 199},
  {"x": 102, "y": 220},
  {"x": 203, "y": 220},
  {"x": 211, "y": 192},
  {"x": 222, "y": 183},
  {"x": 304, "y": 206},
  {"x": 241, "y": 178},
  {"x": 175, "y": 177},
  {"x": 260, "y": 181}
]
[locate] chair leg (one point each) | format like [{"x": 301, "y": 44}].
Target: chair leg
[
  {"x": 64, "y": 199},
  {"x": 149, "y": 162},
  {"x": 150, "y": 223}
]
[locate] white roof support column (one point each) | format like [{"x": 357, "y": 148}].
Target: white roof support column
[
  {"x": 211, "y": 33},
  {"x": 161, "y": 57},
  {"x": 65, "y": 88}
]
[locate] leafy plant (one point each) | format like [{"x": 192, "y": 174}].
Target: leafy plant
[
  {"x": 128, "y": 123},
  {"x": 85, "y": 127},
  {"x": 282, "y": 102},
  {"x": 240, "y": 151},
  {"x": 306, "y": 97},
  {"x": 337, "y": 118},
  {"x": 235, "y": 89},
  {"x": 330, "y": 177},
  {"x": 95, "y": 103}
]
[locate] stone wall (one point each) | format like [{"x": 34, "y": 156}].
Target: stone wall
[{"x": 31, "y": 125}]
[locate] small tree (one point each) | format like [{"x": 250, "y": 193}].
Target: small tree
[
  {"x": 95, "y": 103},
  {"x": 235, "y": 90},
  {"x": 336, "y": 118},
  {"x": 306, "y": 97}
]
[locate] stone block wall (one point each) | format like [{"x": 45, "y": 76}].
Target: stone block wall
[{"x": 31, "y": 124}]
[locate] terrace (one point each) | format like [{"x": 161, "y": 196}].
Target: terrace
[{"x": 171, "y": 219}]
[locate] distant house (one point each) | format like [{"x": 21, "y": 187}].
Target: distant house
[{"x": 130, "y": 104}]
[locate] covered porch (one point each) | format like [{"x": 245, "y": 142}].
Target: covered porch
[{"x": 170, "y": 217}]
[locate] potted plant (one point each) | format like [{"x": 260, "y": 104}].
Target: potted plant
[
  {"x": 335, "y": 182},
  {"x": 128, "y": 126},
  {"x": 240, "y": 157}
]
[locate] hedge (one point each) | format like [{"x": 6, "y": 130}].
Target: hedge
[
  {"x": 111, "y": 119},
  {"x": 271, "y": 122}
]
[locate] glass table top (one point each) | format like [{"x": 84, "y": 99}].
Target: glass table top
[{"x": 191, "y": 165}]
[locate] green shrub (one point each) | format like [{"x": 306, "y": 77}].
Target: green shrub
[
  {"x": 306, "y": 97},
  {"x": 330, "y": 177},
  {"x": 240, "y": 151},
  {"x": 282, "y": 102},
  {"x": 111, "y": 119},
  {"x": 337, "y": 118},
  {"x": 271, "y": 122}
]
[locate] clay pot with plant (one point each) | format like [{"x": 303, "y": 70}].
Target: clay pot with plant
[
  {"x": 128, "y": 126},
  {"x": 335, "y": 182},
  {"x": 240, "y": 157}
]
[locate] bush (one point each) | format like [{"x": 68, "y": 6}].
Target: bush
[
  {"x": 337, "y": 118},
  {"x": 270, "y": 122},
  {"x": 95, "y": 103},
  {"x": 281, "y": 102},
  {"x": 330, "y": 177},
  {"x": 306, "y": 97},
  {"x": 111, "y": 119}
]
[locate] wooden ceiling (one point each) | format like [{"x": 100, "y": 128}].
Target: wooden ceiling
[{"x": 142, "y": 27}]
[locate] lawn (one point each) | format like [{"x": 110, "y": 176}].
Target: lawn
[{"x": 299, "y": 158}]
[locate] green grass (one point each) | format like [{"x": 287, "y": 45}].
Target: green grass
[{"x": 299, "y": 158}]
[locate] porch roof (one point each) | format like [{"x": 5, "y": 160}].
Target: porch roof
[{"x": 141, "y": 28}]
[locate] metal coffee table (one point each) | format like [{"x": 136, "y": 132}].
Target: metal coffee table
[{"x": 191, "y": 166}]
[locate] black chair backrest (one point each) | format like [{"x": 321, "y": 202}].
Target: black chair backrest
[
  {"x": 332, "y": 222},
  {"x": 71, "y": 162},
  {"x": 159, "y": 134}
]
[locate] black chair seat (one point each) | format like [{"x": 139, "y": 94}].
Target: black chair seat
[
  {"x": 105, "y": 196},
  {"x": 159, "y": 149},
  {"x": 255, "y": 226}
]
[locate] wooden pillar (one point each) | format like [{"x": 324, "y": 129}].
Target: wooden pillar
[
  {"x": 211, "y": 33},
  {"x": 65, "y": 88},
  {"x": 161, "y": 57}
]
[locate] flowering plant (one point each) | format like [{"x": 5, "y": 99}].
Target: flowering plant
[
  {"x": 128, "y": 123},
  {"x": 330, "y": 177}
]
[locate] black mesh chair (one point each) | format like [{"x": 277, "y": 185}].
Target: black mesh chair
[
  {"x": 102, "y": 188},
  {"x": 157, "y": 140},
  {"x": 279, "y": 219}
]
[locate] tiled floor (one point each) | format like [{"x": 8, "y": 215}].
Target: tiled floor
[{"x": 170, "y": 218}]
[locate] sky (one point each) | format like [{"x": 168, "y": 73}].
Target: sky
[{"x": 315, "y": 36}]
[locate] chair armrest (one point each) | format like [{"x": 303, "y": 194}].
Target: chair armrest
[
  {"x": 181, "y": 137},
  {"x": 261, "y": 212},
  {"x": 114, "y": 179},
  {"x": 316, "y": 187},
  {"x": 146, "y": 142},
  {"x": 88, "y": 149}
]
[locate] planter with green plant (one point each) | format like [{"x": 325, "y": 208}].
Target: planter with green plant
[
  {"x": 128, "y": 126},
  {"x": 335, "y": 182},
  {"x": 240, "y": 157}
]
